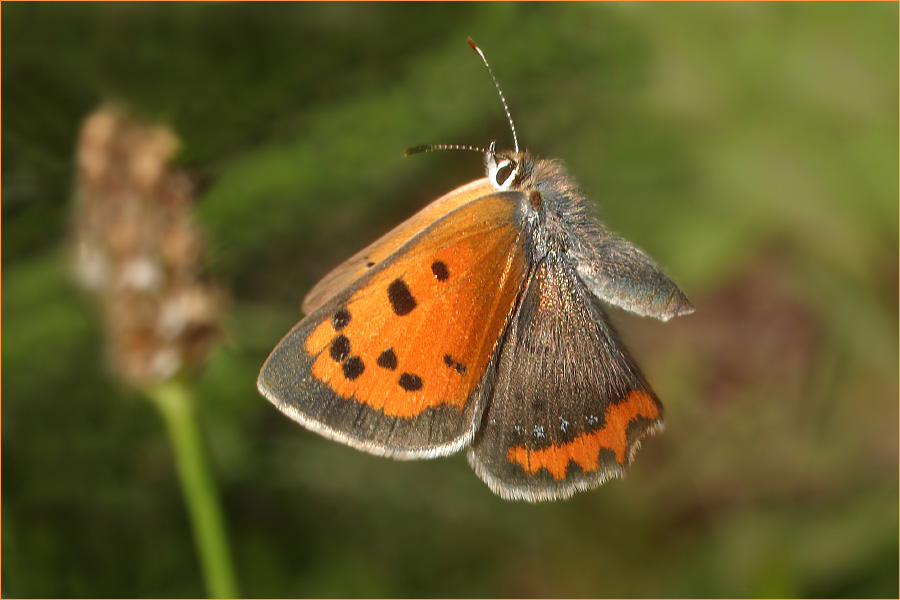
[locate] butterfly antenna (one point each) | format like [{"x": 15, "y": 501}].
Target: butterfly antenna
[
  {"x": 433, "y": 147},
  {"x": 512, "y": 125}
]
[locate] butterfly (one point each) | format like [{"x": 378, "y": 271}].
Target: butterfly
[{"x": 477, "y": 323}]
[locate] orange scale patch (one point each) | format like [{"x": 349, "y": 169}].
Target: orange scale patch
[
  {"x": 584, "y": 450},
  {"x": 320, "y": 338},
  {"x": 446, "y": 299},
  {"x": 359, "y": 264}
]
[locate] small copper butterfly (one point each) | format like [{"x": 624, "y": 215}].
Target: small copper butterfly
[{"x": 477, "y": 324}]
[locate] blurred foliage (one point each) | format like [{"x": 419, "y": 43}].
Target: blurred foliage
[{"x": 751, "y": 148}]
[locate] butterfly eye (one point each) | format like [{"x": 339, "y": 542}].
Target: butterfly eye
[{"x": 503, "y": 173}]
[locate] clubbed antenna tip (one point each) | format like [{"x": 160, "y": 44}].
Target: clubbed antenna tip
[{"x": 512, "y": 125}]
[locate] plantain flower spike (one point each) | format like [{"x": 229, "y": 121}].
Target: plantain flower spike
[{"x": 139, "y": 251}]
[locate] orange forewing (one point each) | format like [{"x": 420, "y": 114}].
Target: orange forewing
[
  {"x": 460, "y": 279},
  {"x": 363, "y": 261}
]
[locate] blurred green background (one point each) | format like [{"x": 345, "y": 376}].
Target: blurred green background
[{"x": 750, "y": 148}]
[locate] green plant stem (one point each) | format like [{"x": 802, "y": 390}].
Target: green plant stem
[{"x": 175, "y": 399}]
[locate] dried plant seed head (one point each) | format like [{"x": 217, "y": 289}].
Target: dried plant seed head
[{"x": 138, "y": 250}]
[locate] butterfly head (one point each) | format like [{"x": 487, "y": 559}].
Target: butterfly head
[
  {"x": 505, "y": 169},
  {"x": 516, "y": 172}
]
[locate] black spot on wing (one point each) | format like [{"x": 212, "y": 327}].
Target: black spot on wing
[
  {"x": 450, "y": 362},
  {"x": 410, "y": 382},
  {"x": 340, "y": 319},
  {"x": 340, "y": 348},
  {"x": 440, "y": 271},
  {"x": 387, "y": 360},
  {"x": 353, "y": 367},
  {"x": 401, "y": 298}
]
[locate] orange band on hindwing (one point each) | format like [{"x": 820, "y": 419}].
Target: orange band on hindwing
[{"x": 585, "y": 449}]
